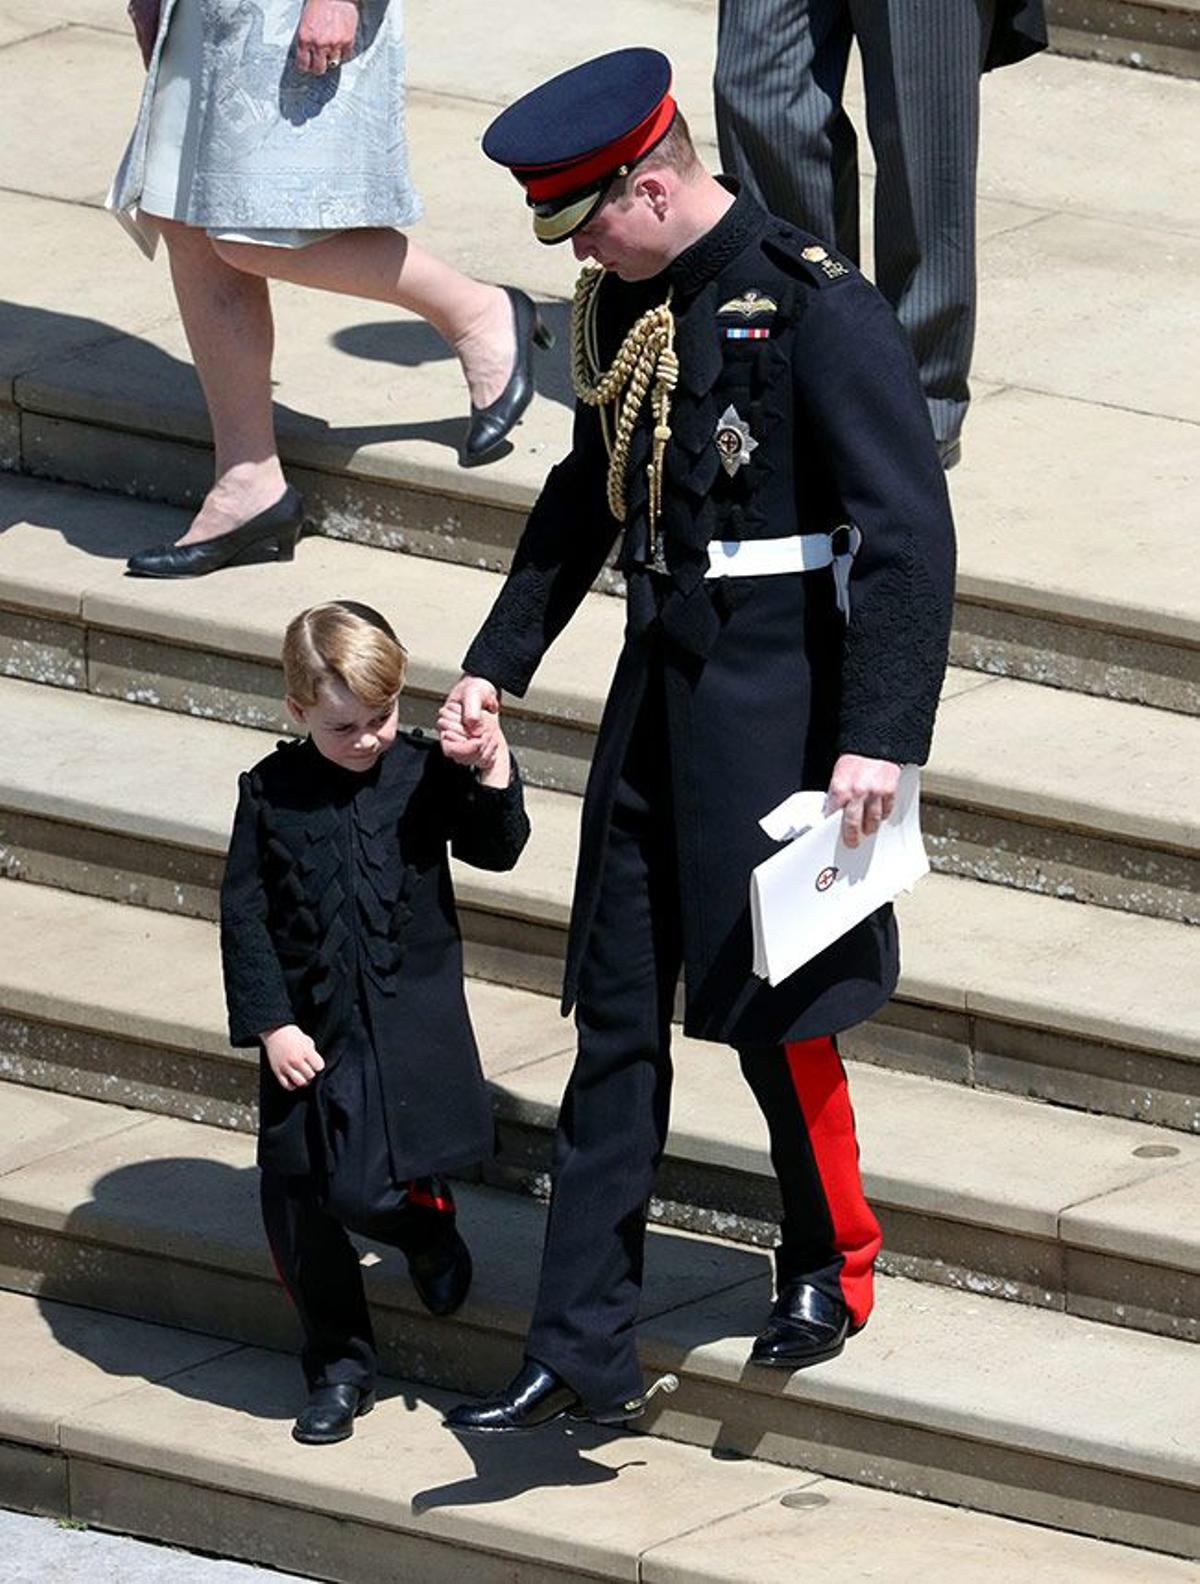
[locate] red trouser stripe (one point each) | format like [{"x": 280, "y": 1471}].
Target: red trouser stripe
[
  {"x": 820, "y": 1084},
  {"x": 428, "y": 1201}
]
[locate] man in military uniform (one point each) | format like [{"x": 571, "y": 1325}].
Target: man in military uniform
[{"x": 750, "y": 423}]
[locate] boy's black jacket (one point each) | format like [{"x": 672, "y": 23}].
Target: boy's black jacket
[{"x": 337, "y": 914}]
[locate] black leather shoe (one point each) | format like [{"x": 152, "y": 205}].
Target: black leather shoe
[
  {"x": 442, "y": 1277},
  {"x": 489, "y": 425},
  {"x": 330, "y": 1414},
  {"x": 535, "y": 1397},
  {"x": 806, "y": 1327},
  {"x": 271, "y": 536}
]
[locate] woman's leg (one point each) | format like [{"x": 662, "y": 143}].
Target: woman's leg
[
  {"x": 227, "y": 318},
  {"x": 474, "y": 319}
]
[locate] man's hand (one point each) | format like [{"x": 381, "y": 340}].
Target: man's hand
[
  {"x": 291, "y": 1055},
  {"x": 325, "y": 37},
  {"x": 865, "y": 790}
]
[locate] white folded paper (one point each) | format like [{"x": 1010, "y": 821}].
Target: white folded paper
[{"x": 804, "y": 898}]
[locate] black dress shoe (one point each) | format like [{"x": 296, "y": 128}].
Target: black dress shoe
[
  {"x": 806, "y": 1327},
  {"x": 271, "y": 536},
  {"x": 442, "y": 1277},
  {"x": 535, "y": 1397},
  {"x": 489, "y": 425},
  {"x": 330, "y": 1414}
]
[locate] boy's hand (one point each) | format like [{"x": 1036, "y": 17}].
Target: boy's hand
[
  {"x": 485, "y": 752},
  {"x": 292, "y": 1056}
]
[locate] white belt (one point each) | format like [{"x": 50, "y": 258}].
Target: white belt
[{"x": 796, "y": 553}]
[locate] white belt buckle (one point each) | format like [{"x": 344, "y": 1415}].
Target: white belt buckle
[{"x": 844, "y": 544}]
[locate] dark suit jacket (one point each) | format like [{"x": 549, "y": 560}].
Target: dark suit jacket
[
  {"x": 337, "y": 914},
  {"x": 764, "y": 684}
]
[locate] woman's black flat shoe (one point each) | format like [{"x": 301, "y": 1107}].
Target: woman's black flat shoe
[
  {"x": 489, "y": 425},
  {"x": 271, "y": 536}
]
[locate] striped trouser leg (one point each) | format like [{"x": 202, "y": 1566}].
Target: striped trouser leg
[
  {"x": 781, "y": 66},
  {"x": 829, "y": 1236},
  {"x": 921, "y": 67}
]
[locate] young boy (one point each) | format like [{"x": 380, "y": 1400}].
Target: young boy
[{"x": 343, "y": 962}]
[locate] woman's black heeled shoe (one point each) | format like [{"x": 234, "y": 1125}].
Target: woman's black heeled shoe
[
  {"x": 489, "y": 425},
  {"x": 271, "y": 536}
]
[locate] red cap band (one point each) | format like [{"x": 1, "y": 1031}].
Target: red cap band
[{"x": 562, "y": 180}]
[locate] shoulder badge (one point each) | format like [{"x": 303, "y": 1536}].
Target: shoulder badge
[
  {"x": 831, "y": 268},
  {"x": 805, "y": 256}
]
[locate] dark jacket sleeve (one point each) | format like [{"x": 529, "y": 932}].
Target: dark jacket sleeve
[
  {"x": 256, "y": 996},
  {"x": 858, "y": 380},
  {"x": 488, "y": 825},
  {"x": 567, "y": 538}
]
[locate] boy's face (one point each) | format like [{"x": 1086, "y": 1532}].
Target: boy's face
[{"x": 345, "y": 730}]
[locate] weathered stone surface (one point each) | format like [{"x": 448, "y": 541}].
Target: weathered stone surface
[
  {"x": 819, "y": 1517},
  {"x": 34, "y": 649},
  {"x": 58, "y": 1360}
]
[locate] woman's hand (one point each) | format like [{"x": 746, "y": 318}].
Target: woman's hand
[
  {"x": 144, "y": 15},
  {"x": 326, "y": 35}
]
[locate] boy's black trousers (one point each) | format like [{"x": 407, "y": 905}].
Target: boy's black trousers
[
  {"x": 319, "y": 1265},
  {"x": 612, "y": 1126}
]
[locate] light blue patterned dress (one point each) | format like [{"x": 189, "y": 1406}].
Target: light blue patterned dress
[{"x": 231, "y": 137}]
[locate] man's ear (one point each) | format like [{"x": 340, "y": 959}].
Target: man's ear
[
  {"x": 295, "y": 710},
  {"x": 652, "y": 189}
]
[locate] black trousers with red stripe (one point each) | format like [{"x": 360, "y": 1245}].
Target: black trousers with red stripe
[
  {"x": 319, "y": 1266},
  {"x": 612, "y": 1126}
]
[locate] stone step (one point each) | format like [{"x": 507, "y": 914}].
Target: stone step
[
  {"x": 176, "y": 1436},
  {"x": 1083, "y": 820},
  {"x": 1153, "y": 35},
  {"x": 1093, "y": 607},
  {"x": 986, "y": 1192},
  {"x": 1079, "y": 447},
  {"x": 1086, "y": 1005},
  {"x": 1009, "y": 1409}
]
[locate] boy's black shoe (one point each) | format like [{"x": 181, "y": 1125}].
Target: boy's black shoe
[
  {"x": 442, "y": 1276},
  {"x": 330, "y": 1414}
]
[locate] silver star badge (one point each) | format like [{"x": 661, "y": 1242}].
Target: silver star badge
[{"x": 733, "y": 440}]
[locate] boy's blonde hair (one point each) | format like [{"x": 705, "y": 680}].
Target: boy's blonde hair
[{"x": 346, "y": 641}]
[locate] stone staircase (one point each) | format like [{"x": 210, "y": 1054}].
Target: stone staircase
[{"x": 1029, "y": 1103}]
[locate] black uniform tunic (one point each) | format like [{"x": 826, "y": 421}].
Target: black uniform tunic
[
  {"x": 337, "y": 914},
  {"x": 764, "y": 683}
]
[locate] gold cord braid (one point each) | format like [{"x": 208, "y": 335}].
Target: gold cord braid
[{"x": 646, "y": 355}]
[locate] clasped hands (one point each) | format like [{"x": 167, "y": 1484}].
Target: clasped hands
[{"x": 468, "y": 724}]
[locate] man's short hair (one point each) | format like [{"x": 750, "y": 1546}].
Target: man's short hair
[
  {"x": 676, "y": 150},
  {"x": 346, "y": 641}
]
